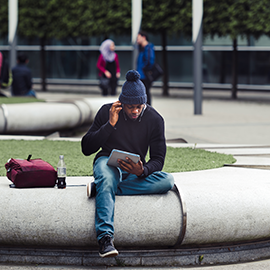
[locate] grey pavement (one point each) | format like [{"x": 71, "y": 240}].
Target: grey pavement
[
  {"x": 223, "y": 121},
  {"x": 239, "y": 127},
  {"x": 258, "y": 265}
]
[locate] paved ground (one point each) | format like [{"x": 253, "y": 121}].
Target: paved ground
[
  {"x": 259, "y": 265},
  {"x": 223, "y": 121},
  {"x": 240, "y": 127}
]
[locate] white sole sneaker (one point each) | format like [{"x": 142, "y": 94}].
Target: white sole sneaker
[
  {"x": 91, "y": 189},
  {"x": 88, "y": 189},
  {"x": 112, "y": 253}
]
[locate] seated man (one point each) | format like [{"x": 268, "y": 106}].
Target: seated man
[
  {"x": 22, "y": 78},
  {"x": 133, "y": 126}
]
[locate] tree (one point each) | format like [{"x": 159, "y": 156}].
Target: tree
[
  {"x": 34, "y": 21},
  {"x": 112, "y": 17},
  {"x": 236, "y": 18},
  {"x": 3, "y": 18},
  {"x": 51, "y": 19},
  {"x": 167, "y": 17},
  {"x": 71, "y": 18}
]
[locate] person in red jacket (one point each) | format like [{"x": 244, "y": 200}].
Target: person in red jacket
[{"x": 109, "y": 68}]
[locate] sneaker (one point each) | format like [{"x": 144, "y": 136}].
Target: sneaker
[
  {"x": 91, "y": 190},
  {"x": 106, "y": 247}
]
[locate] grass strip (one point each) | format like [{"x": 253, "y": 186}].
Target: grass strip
[
  {"x": 15, "y": 100},
  {"x": 177, "y": 159}
]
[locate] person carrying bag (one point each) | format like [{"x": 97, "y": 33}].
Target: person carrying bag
[
  {"x": 146, "y": 66},
  {"x": 109, "y": 68}
]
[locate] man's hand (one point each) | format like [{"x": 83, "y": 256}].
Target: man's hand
[
  {"x": 129, "y": 166},
  {"x": 114, "y": 112}
]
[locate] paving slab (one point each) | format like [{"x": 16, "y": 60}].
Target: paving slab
[
  {"x": 252, "y": 162},
  {"x": 223, "y": 121},
  {"x": 233, "y": 148},
  {"x": 241, "y": 151},
  {"x": 21, "y": 137},
  {"x": 253, "y": 265},
  {"x": 215, "y": 145}
]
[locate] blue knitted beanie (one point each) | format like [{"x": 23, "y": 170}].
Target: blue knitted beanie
[{"x": 133, "y": 90}]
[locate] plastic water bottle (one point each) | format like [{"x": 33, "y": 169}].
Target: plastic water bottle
[{"x": 61, "y": 172}]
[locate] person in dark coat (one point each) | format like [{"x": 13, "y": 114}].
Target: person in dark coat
[
  {"x": 146, "y": 59},
  {"x": 129, "y": 125},
  {"x": 22, "y": 78}
]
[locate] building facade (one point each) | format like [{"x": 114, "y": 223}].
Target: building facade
[{"x": 73, "y": 60}]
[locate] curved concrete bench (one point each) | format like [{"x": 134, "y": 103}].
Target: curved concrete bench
[
  {"x": 55, "y": 217},
  {"x": 226, "y": 205},
  {"x": 48, "y": 116},
  {"x": 29, "y": 117},
  {"x": 96, "y": 103}
]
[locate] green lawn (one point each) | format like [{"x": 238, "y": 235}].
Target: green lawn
[
  {"x": 12, "y": 100},
  {"x": 177, "y": 159}
]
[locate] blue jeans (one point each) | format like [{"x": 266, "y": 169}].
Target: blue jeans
[{"x": 111, "y": 181}]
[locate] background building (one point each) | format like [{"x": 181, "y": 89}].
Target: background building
[{"x": 73, "y": 60}]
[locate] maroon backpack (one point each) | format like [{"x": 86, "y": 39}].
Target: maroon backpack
[{"x": 31, "y": 173}]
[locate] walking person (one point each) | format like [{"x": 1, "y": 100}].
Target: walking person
[
  {"x": 109, "y": 68},
  {"x": 146, "y": 59},
  {"x": 130, "y": 125}
]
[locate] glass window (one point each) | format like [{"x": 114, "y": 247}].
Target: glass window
[
  {"x": 257, "y": 67},
  {"x": 262, "y": 41},
  {"x": 217, "y": 66},
  {"x": 3, "y": 40},
  {"x": 67, "y": 63},
  {"x": 71, "y": 64},
  {"x": 179, "y": 66},
  {"x": 223, "y": 41}
]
